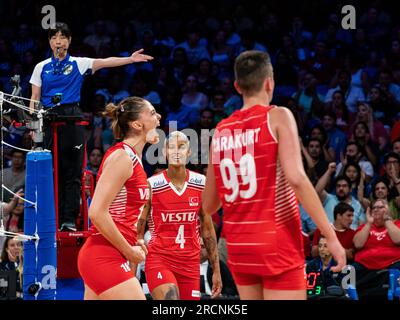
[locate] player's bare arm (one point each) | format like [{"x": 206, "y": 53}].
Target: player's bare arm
[
  {"x": 210, "y": 242},
  {"x": 210, "y": 200},
  {"x": 284, "y": 127}
]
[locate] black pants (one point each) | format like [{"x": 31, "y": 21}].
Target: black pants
[
  {"x": 373, "y": 284},
  {"x": 71, "y": 150}
]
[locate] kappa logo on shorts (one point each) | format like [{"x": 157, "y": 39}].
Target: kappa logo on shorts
[
  {"x": 159, "y": 275},
  {"x": 193, "y": 201}
]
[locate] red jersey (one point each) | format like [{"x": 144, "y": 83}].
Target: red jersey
[
  {"x": 174, "y": 223},
  {"x": 261, "y": 218},
  {"x": 345, "y": 237},
  {"x": 130, "y": 200},
  {"x": 379, "y": 252}
]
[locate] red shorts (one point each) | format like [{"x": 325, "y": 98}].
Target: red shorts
[
  {"x": 189, "y": 288},
  {"x": 294, "y": 279},
  {"x": 101, "y": 265}
]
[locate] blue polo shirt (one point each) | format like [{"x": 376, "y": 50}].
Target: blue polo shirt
[{"x": 63, "y": 77}]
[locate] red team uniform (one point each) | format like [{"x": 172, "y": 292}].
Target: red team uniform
[
  {"x": 100, "y": 264},
  {"x": 174, "y": 247},
  {"x": 261, "y": 218}
]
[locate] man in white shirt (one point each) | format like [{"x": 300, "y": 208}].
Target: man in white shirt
[{"x": 352, "y": 94}]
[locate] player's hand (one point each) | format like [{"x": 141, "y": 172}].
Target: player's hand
[
  {"x": 338, "y": 253},
  {"x": 137, "y": 56},
  {"x": 217, "y": 285},
  {"x": 141, "y": 244},
  {"x": 136, "y": 255}
]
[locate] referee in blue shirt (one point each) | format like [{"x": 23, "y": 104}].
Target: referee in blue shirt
[{"x": 64, "y": 74}]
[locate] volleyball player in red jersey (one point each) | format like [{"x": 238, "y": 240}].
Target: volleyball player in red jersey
[
  {"x": 257, "y": 174},
  {"x": 121, "y": 193},
  {"x": 175, "y": 221}
]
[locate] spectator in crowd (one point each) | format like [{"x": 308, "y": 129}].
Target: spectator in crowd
[
  {"x": 232, "y": 100},
  {"x": 307, "y": 96},
  {"x": 391, "y": 89},
  {"x": 302, "y": 37},
  {"x": 195, "y": 50},
  {"x": 11, "y": 260},
  {"x": 377, "y": 244},
  {"x": 343, "y": 214},
  {"x": 95, "y": 158},
  {"x": 249, "y": 42},
  {"x": 314, "y": 164},
  {"x": 375, "y": 25},
  {"x": 7, "y": 209},
  {"x": 24, "y": 41},
  {"x": 184, "y": 116},
  {"x": 337, "y": 138},
  {"x": 355, "y": 154},
  {"x": 180, "y": 64},
  {"x": 362, "y": 137},
  {"x": 142, "y": 86},
  {"x": 342, "y": 193},
  {"x": 14, "y": 177},
  {"x": 353, "y": 171},
  {"x": 114, "y": 92},
  {"x": 204, "y": 133},
  {"x": 270, "y": 30},
  {"x": 320, "y": 64},
  {"x": 380, "y": 190},
  {"x": 221, "y": 53},
  {"x": 99, "y": 36},
  {"x": 14, "y": 219},
  {"x": 352, "y": 93},
  {"x": 233, "y": 39},
  {"x": 377, "y": 132},
  {"x": 384, "y": 109},
  {"x": 286, "y": 76},
  {"x": 318, "y": 132},
  {"x": 391, "y": 168},
  {"x": 339, "y": 107},
  {"x": 192, "y": 97},
  {"x": 217, "y": 104},
  {"x": 206, "y": 82},
  {"x": 396, "y": 146}
]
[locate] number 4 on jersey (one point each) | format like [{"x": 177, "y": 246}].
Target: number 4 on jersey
[{"x": 180, "y": 239}]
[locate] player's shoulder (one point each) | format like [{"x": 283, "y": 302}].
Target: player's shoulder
[
  {"x": 196, "y": 179},
  {"x": 121, "y": 151},
  {"x": 280, "y": 111},
  {"x": 157, "y": 181},
  {"x": 132, "y": 155}
]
